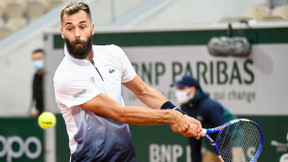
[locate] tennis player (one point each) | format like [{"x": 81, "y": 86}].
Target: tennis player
[{"x": 88, "y": 92}]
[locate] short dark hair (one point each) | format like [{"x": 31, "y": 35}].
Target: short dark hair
[
  {"x": 74, "y": 7},
  {"x": 38, "y": 50}
]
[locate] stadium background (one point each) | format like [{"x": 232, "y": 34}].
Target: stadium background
[{"x": 164, "y": 39}]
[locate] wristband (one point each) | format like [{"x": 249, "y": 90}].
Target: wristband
[
  {"x": 170, "y": 105},
  {"x": 177, "y": 109}
]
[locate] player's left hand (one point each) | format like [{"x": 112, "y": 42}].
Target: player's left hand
[
  {"x": 195, "y": 128},
  {"x": 186, "y": 125}
]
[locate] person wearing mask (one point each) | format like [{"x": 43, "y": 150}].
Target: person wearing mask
[
  {"x": 37, "y": 105},
  {"x": 197, "y": 104}
]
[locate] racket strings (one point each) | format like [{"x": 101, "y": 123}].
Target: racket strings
[{"x": 238, "y": 142}]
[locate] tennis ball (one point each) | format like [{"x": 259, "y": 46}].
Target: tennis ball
[{"x": 46, "y": 120}]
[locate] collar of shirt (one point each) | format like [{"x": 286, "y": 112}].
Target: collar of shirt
[{"x": 77, "y": 61}]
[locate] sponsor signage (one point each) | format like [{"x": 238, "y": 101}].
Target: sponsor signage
[
  {"x": 245, "y": 85},
  {"x": 21, "y": 139},
  {"x": 24, "y": 149}
]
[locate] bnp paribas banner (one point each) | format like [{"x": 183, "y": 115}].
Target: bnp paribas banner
[{"x": 251, "y": 85}]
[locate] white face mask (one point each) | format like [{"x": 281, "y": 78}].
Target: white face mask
[
  {"x": 38, "y": 64},
  {"x": 182, "y": 96}
]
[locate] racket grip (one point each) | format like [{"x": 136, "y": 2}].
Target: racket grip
[{"x": 203, "y": 132}]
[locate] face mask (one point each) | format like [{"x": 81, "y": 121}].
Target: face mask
[
  {"x": 38, "y": 64},
  {"x": 182, "y": 96}
]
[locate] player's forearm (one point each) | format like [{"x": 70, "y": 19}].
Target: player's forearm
[
  {"x": 137, "y": 115},
  {"x": 148, "y": 95},
  {"x": 178, "y": 122},
  {"x": 152, "y": 98}
]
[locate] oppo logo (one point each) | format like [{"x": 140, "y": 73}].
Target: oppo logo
[{"x": 10, "y": 153}]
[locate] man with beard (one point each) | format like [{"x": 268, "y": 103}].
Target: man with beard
[{"x": 88, "y": 92}]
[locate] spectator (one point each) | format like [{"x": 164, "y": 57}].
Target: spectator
[
  {"x": 199, "y": 105},
  {"x": 37, "y": 105}
]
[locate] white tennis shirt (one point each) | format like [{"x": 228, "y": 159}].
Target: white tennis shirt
[{"x": 78, "y": 81}]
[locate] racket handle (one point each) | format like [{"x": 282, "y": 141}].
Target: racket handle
[{"x": 203, "y": 132}]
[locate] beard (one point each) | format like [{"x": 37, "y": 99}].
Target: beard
[{"x": 79, "y": 52}]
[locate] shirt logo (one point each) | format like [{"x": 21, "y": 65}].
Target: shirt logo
[
  {"x": 112, "y": 70},
  {"x": 80, "y": 93}
]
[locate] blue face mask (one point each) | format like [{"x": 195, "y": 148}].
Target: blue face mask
[{"x": 38, "y": 64}]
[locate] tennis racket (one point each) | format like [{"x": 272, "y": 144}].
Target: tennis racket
[{"x": 239, "y": 140}]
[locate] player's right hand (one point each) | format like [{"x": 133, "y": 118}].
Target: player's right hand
[
  {"x": 195, "y": 128},
  {"x": 186, "y": 125}
]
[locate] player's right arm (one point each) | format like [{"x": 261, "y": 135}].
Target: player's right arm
[
  {"x": 137, "y": 115},
  {"x": 77, "y": 90}
]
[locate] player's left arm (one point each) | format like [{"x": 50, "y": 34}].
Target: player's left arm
[
  {"x": 148, "y": 95},
  {"x": 154, "y": 99}
]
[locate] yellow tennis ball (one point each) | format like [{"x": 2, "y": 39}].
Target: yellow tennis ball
[{"x": 46, "y": 120}]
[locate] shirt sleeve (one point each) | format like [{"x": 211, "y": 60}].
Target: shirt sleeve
[
  {"x": 74, "y": 91},
  {"x": 128, "y": 72}
]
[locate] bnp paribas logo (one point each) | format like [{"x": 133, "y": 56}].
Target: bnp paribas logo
[{"x": 112, "y": 70}]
